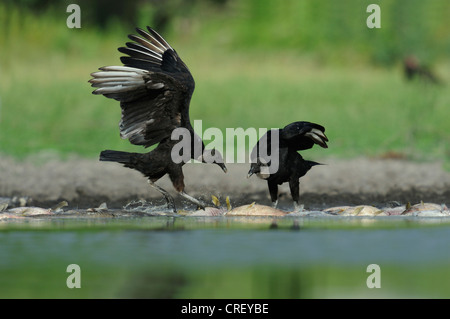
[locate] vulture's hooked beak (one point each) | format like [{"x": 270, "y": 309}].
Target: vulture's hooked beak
[{"x": 223, "y": 167}]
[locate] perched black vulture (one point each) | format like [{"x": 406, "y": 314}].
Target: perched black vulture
[
  {"x": 154, "y": 88},
  {"x": 291, "y": 166}
]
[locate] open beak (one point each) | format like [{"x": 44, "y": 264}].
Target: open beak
[{"x": 250, "y": 173}]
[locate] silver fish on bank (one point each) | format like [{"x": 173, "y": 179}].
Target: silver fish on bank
[
  {"x": 29, "y": 211},
  {"x": 32, "y": 211},
  {"x": 245, "y": 210},
  {"x": 426, "y": 210},
  {"x": 256, "y": 210},
  {"x": 208, "y": 211},
  {"x": 361, "y": 210}
]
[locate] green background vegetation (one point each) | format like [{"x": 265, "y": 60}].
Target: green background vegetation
[{"x": 256, "y": 64}]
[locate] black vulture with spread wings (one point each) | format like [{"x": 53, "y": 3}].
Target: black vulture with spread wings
[
  {"x": 281, "y": 145},
  {"x": 154, "y": 88}
]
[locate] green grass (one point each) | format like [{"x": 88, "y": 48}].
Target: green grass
[{"x": 46, "y": 101}]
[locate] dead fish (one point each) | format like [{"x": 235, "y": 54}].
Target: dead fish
[
  {"x": 255, "y": 210},
  {"x": 427, "y": 209},
  {"x": 30, "y": 211},
  {"x": 361, "y": 210},
  {"x": 392, "y": 211},
  {"x": 209, "y": 211},
  {"x": 336, "y": 210},
  {"x": 34, "y": 211},
  {"x": 366, "y": 210}
]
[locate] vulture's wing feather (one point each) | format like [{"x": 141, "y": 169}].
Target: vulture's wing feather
[{"x": 154, "y": 88}]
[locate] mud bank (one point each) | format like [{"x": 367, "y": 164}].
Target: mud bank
[{"x": 86, "y": 183}]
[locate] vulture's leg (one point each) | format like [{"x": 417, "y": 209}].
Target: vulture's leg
[
  {"x": 273, "y": 190},
  {"x": 197, "y": 202},
  {"x": 169, "y": 199},
  {"x": 294, "y": 186},
  {"x": 177, "y": 178}
]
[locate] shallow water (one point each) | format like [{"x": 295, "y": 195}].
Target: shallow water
[{"x": 223, "y": 257}]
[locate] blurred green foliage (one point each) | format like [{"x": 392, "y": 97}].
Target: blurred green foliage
[
  {"x": 407, "y": 26},
  {"x": 255, "y": 63}
]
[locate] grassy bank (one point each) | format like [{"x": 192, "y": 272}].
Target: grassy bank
[{"x": 46, "y": 101}]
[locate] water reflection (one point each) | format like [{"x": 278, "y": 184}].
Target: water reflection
[{"x": 225, "y": 258}]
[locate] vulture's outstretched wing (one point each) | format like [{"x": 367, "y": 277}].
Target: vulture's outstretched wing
[
  {"x": 303, "y": 135},
  {"x": 154, "y": 88}
]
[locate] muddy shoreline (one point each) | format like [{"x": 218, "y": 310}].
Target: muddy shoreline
[{"x": 86, "y": 183}]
